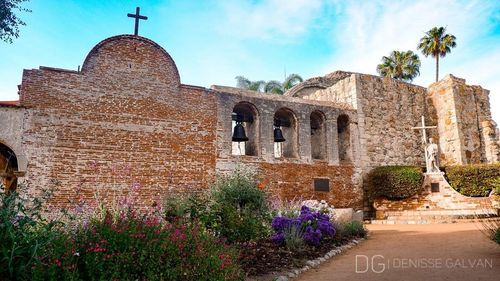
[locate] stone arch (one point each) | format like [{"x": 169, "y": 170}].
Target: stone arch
[
  {"x": 248, "y": 115},
  {"x": 344, "y": 138},
  {"x": 8, "y": 167},
  {"x": 286, "y": 120},
  {"x": 318, "y": 135}
]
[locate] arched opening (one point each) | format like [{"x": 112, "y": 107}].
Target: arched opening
[
  {"x": 285, "y": 134},
  {"x": 344, "y": 143},
  {"x": 8, "y": 168},
  {"x": 246, "y": 137},
  {"x": 318, "y": 135}
]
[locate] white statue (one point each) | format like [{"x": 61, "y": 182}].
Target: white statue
[{"x": 432, "y": 157}]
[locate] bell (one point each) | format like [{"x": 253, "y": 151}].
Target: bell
[
  {"x": 239, "y": 133},
  {"x": 278, "y": 135}
]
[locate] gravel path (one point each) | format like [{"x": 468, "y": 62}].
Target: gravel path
[{"x": 416, "y": 252}]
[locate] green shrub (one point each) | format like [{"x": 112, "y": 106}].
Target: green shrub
[
  {"x": 128, "y": 246},
  {"x": 24, "y": 234},
  {"x": 238, "y": 209},
  {"x": 395, "y": 182},
  {"x": 474, "y": 180},
  {"x": 185, "y": 206},
  {"x": 345, "y": 231},
  {"x": 294, "y": 237}
]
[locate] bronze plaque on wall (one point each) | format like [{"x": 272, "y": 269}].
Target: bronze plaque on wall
[
  {"x": 322, "y": 185},
  {"x": 435, "y": 187}
]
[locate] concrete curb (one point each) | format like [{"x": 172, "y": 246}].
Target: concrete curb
[{"x": 294, "y": 273}]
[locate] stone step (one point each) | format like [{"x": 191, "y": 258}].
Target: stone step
[
  {"x": 460, "y": 212},
  {"x": 440, "y": 220}
]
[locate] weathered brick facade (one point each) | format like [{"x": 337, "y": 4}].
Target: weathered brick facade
[{"x": 126, "y": 120}]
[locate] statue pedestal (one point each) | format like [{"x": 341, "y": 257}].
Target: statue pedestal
[{"x": 434, "y": 182}]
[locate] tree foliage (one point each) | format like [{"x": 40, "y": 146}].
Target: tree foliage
[
  {"x": 9, "y": 22},
  {"x": 244, "y": 83},
  {"x": 271, "y": 86},
  {"x": 437, "y": 43},
  {"x": 400, "y": 65}
]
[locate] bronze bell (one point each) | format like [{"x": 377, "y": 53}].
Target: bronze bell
[
  {"x": 239, "y": 133},
  {"x": 278, "y": 135}
]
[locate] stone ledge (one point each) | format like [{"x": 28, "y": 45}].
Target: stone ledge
[{"x": 294, "y": 273}]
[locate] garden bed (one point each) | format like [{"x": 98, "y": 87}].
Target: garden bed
[{"x": 264, "y": 257}]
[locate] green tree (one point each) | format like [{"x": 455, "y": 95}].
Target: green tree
[
  {"x": 437, "y": 44},
  {"x": 291, "y": 80},
  {"x": 274, "y": 87},
  {"x": 400, "y": 65},
  {"x": 244, "y": 83},
  {"x": 271, "y": 86},
  {"x": 9, "y": 22},
  {"x": 279, "y": 88}
]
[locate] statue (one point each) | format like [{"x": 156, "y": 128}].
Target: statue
[{"x": 432, "y": 157}]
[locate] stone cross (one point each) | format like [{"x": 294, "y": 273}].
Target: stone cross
[
  {"x": 137, "y": 17},
  {"x": 424, "y": 140}
]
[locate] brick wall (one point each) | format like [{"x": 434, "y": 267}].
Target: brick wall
[{"x": 124, "y": 120}]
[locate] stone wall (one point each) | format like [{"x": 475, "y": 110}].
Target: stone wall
[
  {"x": 290, "y": 177},
  {"x": 11, "y": 124},
  {"x": 386, "y": 111},
  {"x": 466, "y": 129}
]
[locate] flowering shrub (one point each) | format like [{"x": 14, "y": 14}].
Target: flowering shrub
[
  {"x": 313, "y": 224},
  {"x": 129, "y": 246},
  {"x": 24, "y": 233},
  {"x": 237, "y": 208}
]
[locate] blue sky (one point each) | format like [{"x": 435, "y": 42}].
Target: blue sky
[{"x": 213, "y": 41}]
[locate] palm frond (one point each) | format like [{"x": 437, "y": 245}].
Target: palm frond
[
  {"x": 274, "y": 87},
  {"x": 291, "y": 80}
]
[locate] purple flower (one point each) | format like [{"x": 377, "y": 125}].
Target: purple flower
[
  {"x": 311, "y": 236},
  {"x": 313, "y": 224},
  {"x": 279, "y": 223},
  {"x": 278, "y": 238}
]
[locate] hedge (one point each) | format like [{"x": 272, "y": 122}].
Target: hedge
[
  {"x": 395, "y": 182},
  {"x": 474, "y": 180}
]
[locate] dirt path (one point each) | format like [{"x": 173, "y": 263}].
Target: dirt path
[{"x": 416, "y": 252}]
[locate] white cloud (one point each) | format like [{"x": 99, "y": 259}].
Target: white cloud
[
  {"x": 273, "y": 19},
  {"x": 368, "y": 30}
]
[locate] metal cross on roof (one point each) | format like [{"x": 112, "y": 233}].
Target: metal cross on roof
[{"x": 137, "y": 17}]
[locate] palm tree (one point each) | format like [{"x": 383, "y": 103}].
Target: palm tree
[
  {"x": 276, "y": 87},
  {"x": 291, "y": 80},
  {"x": 243, "y": 83},
  {"x": 271, "y": 86},
  {"x": 400, "y": 65},
  {"x": 437, "y": 44}
]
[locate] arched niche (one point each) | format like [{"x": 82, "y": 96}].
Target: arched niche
[
  {"x": 246, "y": 114},
  {"x": 286, "y": 120},
  {"x": 344, "y": 135},
  {"x": 8, "y": 168},
  {"x": 318, "y": 135}
]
